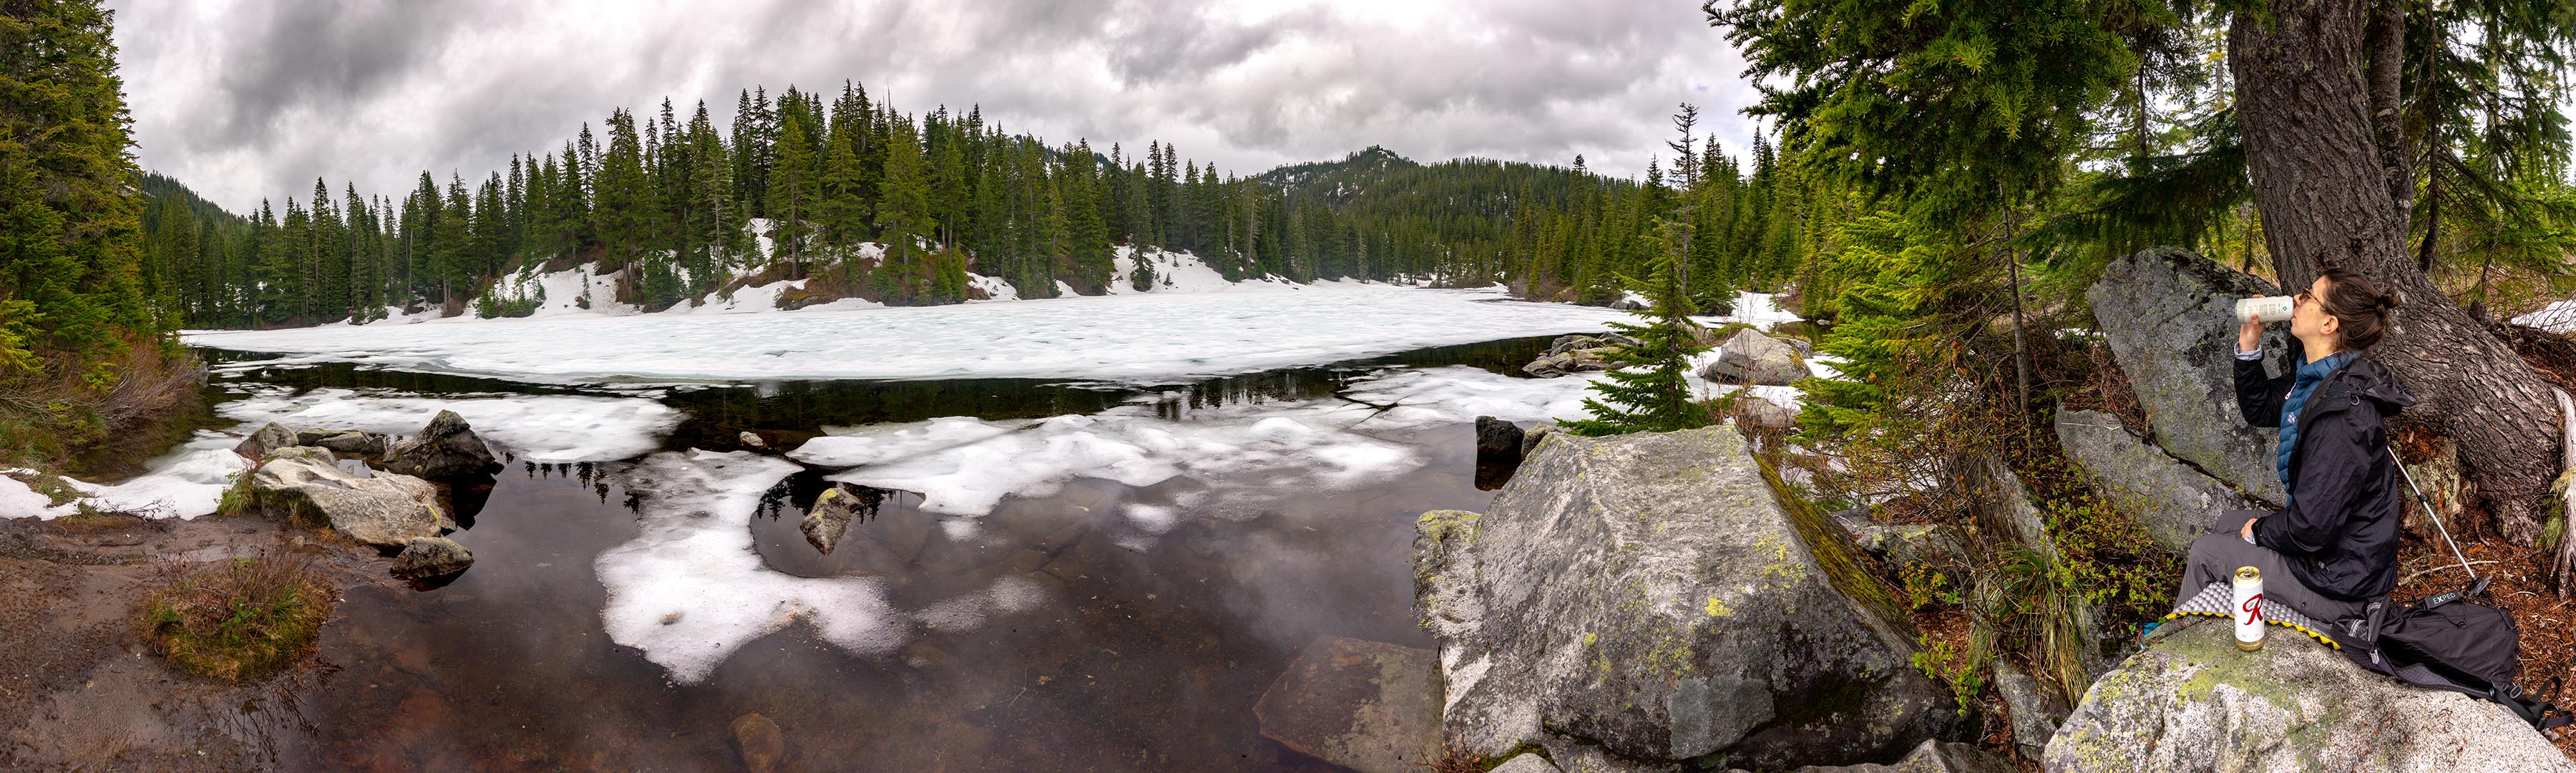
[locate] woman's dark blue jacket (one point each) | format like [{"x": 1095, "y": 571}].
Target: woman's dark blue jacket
[{"x": 2340, "y": 530}]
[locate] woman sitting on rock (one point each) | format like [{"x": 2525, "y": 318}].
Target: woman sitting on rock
[{"x": 2334, "y": 545}]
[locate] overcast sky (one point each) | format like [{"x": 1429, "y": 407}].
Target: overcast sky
[{"x": 244, "y": 100}]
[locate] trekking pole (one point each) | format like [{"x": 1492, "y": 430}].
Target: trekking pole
[{"x": 2476, "y": 584}]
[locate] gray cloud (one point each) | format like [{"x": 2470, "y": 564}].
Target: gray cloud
[{"x": 244, "y": 99}]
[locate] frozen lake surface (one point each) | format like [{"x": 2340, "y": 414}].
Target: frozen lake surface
[{"x": 1137, "y": 338}]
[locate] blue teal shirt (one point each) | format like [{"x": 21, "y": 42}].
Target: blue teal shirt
[{"x": 2310, "y": 374}]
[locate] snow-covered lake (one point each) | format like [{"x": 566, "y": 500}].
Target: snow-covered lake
[
  {"x": 1186, "y": 485},
  {"x": 1144, "y": 337}
]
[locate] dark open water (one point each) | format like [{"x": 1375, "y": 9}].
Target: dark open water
[{"x": 1139, "y": 660}]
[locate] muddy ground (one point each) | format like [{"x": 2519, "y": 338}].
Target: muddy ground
[{"x": 79, "y": 688}]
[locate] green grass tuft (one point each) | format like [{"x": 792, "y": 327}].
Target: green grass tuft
[{"x": 240, "y": 619}]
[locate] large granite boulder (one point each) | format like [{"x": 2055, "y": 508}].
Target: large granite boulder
[
  {"x": 1369, "y": 706},
  {"x": 2193, "y": 702},
  {"x": 1753, "y": 358},
  {"x": 1644, "y": 601},
  {"x": 2172, "y": 501},
  {"x": 2169, "y": 318},
  {"x": 447, "y": 448},
  {"x": 306, "y": 485}
]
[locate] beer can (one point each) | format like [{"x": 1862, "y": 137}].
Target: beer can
[
  {"x": 2271, "y": 308},
  {"x": 2249, "y": 608}
]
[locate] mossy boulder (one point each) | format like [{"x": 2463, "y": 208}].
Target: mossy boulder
[
  {"x": 2168, "y": 317},
  {"x": 2193, "y": 702},
  {"x": 1650, "y": 600},
  {"x": 2173, "y": 502}
]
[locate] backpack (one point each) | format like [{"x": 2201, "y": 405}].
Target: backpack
[{"x": 2446, "y": 642}]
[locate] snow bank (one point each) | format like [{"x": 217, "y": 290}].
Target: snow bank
[
  {"x": 2557, "y": 317},
  {"x": 187, "y": 482},
  {"x": 691, "y": 589},
  {"x": 539, "y": 428},
  {"x": 1141, "y": 337}
]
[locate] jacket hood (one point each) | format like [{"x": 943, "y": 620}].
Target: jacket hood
[{"x": 2367, "y": 379}]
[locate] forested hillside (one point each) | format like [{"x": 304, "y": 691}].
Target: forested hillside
[
  {"x": 81, "y": 352},
  {"x": 900, "y": 208}
]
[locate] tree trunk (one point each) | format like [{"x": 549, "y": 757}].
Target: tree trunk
[{"x": 2321, "y": 182}]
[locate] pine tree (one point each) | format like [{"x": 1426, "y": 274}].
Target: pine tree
[
  {"x": 904, "y": 218},
  {"x": 1645, "y": 390}
]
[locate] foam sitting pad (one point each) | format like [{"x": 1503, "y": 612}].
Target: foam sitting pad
[{"x": 2219, "y": 600}]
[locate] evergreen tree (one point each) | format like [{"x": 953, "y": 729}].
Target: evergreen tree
[{"x": 1645, "y": 390}]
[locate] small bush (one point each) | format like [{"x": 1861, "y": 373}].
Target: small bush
[{"x": 241, "y": 619}]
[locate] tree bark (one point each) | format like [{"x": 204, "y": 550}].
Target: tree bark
[{"x": 2305, "y": 96}]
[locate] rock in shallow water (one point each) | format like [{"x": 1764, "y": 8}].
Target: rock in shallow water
[
  {"x": 431, "y": 557},
  {"x": 1368, "y": 706},
  {"x": 761, "y": 743},
  {"x": 304, "y": 483},
  {"x": 2193, "y": 702},
  {"x": 833, "y": 510},
  {"x": 446, "y": 448},
  {"x": 2169, "y": 318},
  {"x": 1646, "y": 595},
  {"x": 1498, "y": 451}
]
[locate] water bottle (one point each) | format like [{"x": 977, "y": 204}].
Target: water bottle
[{"x": 2271, "y": 308}]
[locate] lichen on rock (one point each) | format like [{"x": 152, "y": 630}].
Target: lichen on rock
[{"x": 1649, "y": 600}]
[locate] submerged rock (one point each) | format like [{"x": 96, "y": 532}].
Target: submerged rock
[
  {"x": 305, "y": 484},
  {"x": 2193, "y": 702},
  {"x": 1368, "y": 706},
  {"x": 761, "y": 743},
  {"x": 2173, "y": 502},
  {"x": 2168, "y": 317},
  {"x": 446, "y": 448},
  {"x": 1753, "y": 358},
  {"x": 1643, "y": 600},
  {"x": 267, "y": 439},
  {"x": 431, "y": 557}
]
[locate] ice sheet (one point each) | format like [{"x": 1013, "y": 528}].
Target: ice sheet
[
  {"x": 964, "y": 466},
  {"x": 1141, "y": 337},
  {"x": 539, "y": 428},
  {"x": 691, "y": 589}
]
